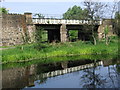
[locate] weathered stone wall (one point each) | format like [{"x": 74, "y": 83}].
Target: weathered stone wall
[
  {"x": 13, "y": 29},
  {"x": 106, "y": 22},
  {"x": 18, "y": 77},
  {"x": 31, "y": 29},
  {"x": 63, "y": 33}
]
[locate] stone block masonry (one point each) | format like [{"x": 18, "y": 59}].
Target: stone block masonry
[
  {"x": 106, "y": 22},
  {"x": 13, "y": 29},
  {"x": 63, "y": 33}
]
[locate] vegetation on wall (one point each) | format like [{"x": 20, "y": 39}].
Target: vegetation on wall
[
  {"x": 4, "y": 10},
  {"x": 39, "y": 15}
]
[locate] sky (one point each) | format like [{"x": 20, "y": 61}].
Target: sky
[
  {"x": 39, "y": 7},
  {"x": 56, "y": 0},
  {"x": 50, "y": 7}
]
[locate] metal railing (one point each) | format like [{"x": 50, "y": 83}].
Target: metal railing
[
  {"x": 50, "y": 16},
  {"x": 62, "y": 21}
]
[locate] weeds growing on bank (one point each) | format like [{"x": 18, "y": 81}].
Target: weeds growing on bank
[
  {"x": 26, "y": 52},
  {"x": 60, "y": 59}
]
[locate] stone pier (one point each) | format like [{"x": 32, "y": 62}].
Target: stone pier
[
  {"x": 106, "y": 23},
  {"x": 63, "y": 33}
]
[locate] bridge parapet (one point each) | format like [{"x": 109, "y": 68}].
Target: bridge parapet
[
  {"x": 71, "y": 69},
  {"x": 63, "y": 21}
]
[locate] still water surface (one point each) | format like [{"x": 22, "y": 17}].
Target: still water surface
[{"x": 68, "y": 74}]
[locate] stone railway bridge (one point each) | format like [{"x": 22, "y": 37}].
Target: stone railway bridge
[
  {"x": 15, "y": 27},
  {"x": 58, "y": 29}
]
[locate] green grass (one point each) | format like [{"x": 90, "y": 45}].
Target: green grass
[
  {"x": 5, "y": 46},
  {"x": 29, "y": 52},
  {"x": 59, "y": 59}
]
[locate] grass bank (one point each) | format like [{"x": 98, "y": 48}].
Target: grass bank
[
  {"x": 29, "y": 52},
  {"x": 60, "y": 59}
]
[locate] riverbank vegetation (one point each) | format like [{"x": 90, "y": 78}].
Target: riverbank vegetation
[
  {"x": 29, "y": 52},
  {"x": 60, "y": 59}
]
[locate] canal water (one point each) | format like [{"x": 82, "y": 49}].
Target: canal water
[{"x": 67, "y": 74}]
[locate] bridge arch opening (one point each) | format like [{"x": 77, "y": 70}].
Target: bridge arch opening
[
  {"x": 50, "y": 33},
  {"x": 73, "y": 35}
]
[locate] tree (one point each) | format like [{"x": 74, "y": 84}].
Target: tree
[
  {"x": 75, "y": 12},
  {"x": 38, "y": 37},
  {"x": 116, "y": 23},
  {"x": 73, "y": 35},
  {"x": 95, "y": 9},
  {"x": 114, "y": 16},
  {"x": 4, "y": 10},
  {"x": 106, "y": 31},
  {"x": 39, "y": 15},
  {"x": 91, "y": 79},
  {"x": 38, "y": 34}
]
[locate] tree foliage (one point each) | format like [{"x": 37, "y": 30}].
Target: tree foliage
[
  {"x": 73, "y": 35},
  {"x": 38, "y": 34},
  {"x": 38, "y": 37},
  {"x": 39, "y": 15},
  {"x": 117, "y": 23},
  {"x": 4, "y": 10},
  {"x": 95, "y": 9},
  {"x": 95, "y": 12},
  {"x": 106, "y": 31},
  {"x": 76, "y": 12}
]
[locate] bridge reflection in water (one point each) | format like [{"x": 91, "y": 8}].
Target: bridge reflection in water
[
  {"x": 26, "y": 76},
  {"x": 69, "y": 70}
]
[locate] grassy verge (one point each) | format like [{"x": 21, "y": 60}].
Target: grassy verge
[
  {"x": 29, "y": 52},
  {"x": 60, "y": 59}
]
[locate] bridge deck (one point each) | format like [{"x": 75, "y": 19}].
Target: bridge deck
[{"x": 62, "y": 21}]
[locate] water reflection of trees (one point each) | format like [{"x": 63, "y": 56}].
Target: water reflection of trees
[
  {"x": 114, "y": 75},
  {"x": 114, "y": 72},
  {"x": 118, "y": 68},
  {"x": 91, "y": 79}
]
